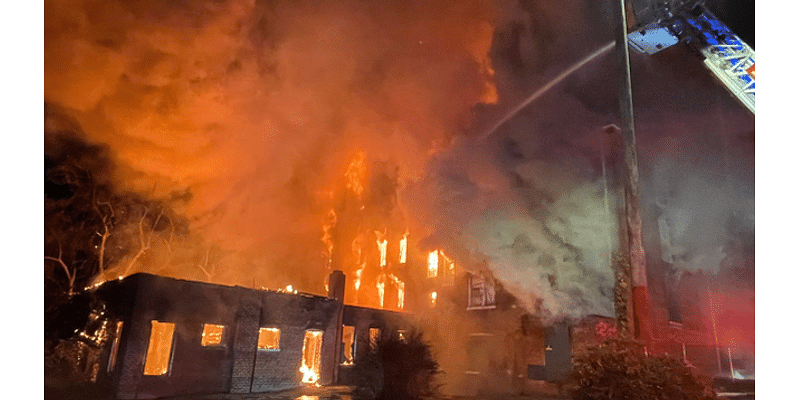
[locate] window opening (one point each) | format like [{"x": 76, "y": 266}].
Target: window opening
[
  {"x": 481, "y": 292},
  {"x": 159, "y": 350},
  {"x": 374, "y": 337},
  {"x": 312, "y": 356},
  {"x": 433, "y": 264},
  {"x": 348, "y": 345},
  {"x": 212, "y": 335},
  {"x": 269, "y": 339}
]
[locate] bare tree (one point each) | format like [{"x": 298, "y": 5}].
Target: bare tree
[
  {"x": 106, "y": 219},
  {"x": 207, "y": 270},
  {"x": 69, "y": 272}
]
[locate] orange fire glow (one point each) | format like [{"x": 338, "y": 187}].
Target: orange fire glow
[
  {"x": 356, "y": 173},
  {"x": 212, "y": 335},
  {"x": 327, "y": 239},
  {"x": 401, "y": 290},
  {"x": 433, "y": 264},
  {"x": 181, "y": 118},
  {"x": 159, "y": 349},
  {"x": 404, "y": 248},
  {"x": 381, "y": 285},
  {"x": 312, "y": 357},
  {"x": 381, "y": 247}
]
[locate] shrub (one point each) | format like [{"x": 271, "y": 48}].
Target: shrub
[
  {"x": 397, "y": 370},
  {"x": 620, "y": 369}
]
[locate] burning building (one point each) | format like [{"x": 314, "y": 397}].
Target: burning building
[
  {"x": 172, "y": 337},
  {"x": 306, "y": 139}
]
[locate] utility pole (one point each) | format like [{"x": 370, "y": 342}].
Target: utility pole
[{"x": 640, "y": 295}]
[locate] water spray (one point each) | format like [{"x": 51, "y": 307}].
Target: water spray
[{"x": 567, "y": 72}]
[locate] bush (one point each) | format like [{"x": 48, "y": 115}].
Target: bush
[
  {"x": 397, "y": 370},
  {"x": 620, "y": 369}
]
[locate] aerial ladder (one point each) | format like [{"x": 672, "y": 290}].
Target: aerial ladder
[{"x": 657, "y": 25}]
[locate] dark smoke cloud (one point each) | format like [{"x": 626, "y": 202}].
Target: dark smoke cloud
[{"x": 531, "y": 199}]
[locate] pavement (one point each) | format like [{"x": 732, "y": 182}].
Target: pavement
[{"x": 338, "y": 393}]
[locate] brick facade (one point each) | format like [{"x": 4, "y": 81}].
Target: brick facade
[{"x": 236, "y": 365}]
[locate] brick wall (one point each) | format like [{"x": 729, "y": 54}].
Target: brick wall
[{"x": 236, "y": 366}]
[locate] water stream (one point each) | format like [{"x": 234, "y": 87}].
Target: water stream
[{"x": 548, "y": 86}]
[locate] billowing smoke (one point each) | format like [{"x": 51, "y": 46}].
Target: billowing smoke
[
  {"x": 254, "y": 108},
  {"x": 538, "y": 200}
]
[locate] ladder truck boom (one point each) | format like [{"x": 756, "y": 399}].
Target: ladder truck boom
[{"x": 661, "y": 24}]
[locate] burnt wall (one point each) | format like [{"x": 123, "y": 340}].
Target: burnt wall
[
  {"x": 362, "y": 319},
  {"x": 236, "y": 365}
]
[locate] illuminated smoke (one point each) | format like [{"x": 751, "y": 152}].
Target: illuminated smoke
[{"x": 254, "y": 108}]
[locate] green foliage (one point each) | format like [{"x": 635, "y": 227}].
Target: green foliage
[
  {"x": 397, "y": 370},
  {"x": 620, "y": 369}
]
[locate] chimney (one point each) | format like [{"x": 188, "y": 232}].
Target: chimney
[
  {"x": 336, "y": 286},
  {"x": 336, "y": 292}
]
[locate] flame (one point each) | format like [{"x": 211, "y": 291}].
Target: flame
[
  {"x": 291, "y": 289},
  {"x": 309, "y": 376},
  {"x": 356, "y": 173},
  {"x": 381, "y": 285},
  {"x": 403, "y": 248},
  {"x": 382, "y": 246},
  {"x": 434, "y": 296},
  {"x": 358, "y": 256},
  {"x": 357, "y": 281},
  {"x": 401, "y": 290},
  {"x": 450, "y": 265},
  {"x": 433, "y": 264},
  {"x": 327, "y": 238},
  {"x": 312, "y": 347}
]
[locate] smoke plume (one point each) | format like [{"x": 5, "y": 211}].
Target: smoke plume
[{"x": 255, "y": 107}]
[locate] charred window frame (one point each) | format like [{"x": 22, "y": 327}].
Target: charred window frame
[
  {"x": 374, "y": 337},
  {"x": 348, "y": 345},
  {"x": 481, "y": 292}
]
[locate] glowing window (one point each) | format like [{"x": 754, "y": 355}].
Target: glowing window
[
  {"x": 374, "y": 337},
  {"x": 433, "y": 264},
  {"x": 403, "y": 248},
  {"x": 212, "y": 335},
  {"x": 269, "y": 339},
  {"x": 312, "y": 356},
  {"x": 159, "y": 350},
  {"x": 348, "y": 345},
  {"x": 112, "y": 357}
]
